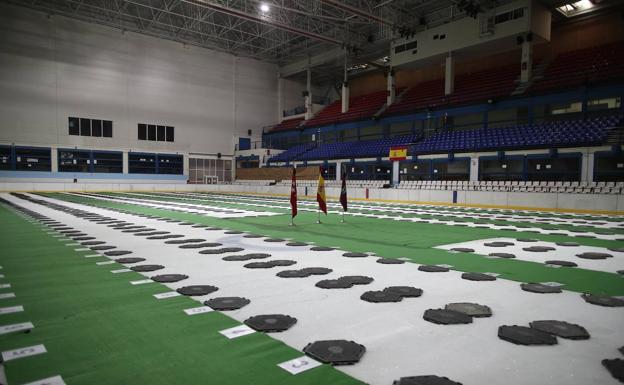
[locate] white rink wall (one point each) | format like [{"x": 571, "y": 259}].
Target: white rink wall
[{"x": 562, "y": 201}]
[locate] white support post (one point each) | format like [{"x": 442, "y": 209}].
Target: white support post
[
  {"x": 395, "y": 172},
  {"x": 280, "y": 97},
  {"x": 449, "y": 75},
  {"x": 124, "y": 160},
  {"x": 338, "y": 170},
  {"x": 54, "y": 159},
  {"x": 345, "y": 97},
  {"x": 185, "y": 165},
  {"x": 526, "y": 61},
  {"x": 587, "y": 167},
  {"x": 308, "y": 98},
  {"x": 474, "y": 168}
]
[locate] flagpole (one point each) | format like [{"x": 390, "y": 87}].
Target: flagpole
[
  {"x": 318, "y": 220},
  {"x": 342, "y": 220},
  {"x": 292, "y": 221}
]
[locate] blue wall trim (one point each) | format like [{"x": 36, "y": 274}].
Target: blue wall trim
[{"x": 83, "y": 175}]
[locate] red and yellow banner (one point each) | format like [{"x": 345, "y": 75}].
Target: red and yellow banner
[{"x": 398, "y": 153}]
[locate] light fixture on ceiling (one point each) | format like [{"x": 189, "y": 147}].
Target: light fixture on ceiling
[
  {"x": 264, "y": 7},
  {"x": 575, "y": 8}
]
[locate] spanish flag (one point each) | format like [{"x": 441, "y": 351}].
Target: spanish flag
[{"x": 320, "y": 192}]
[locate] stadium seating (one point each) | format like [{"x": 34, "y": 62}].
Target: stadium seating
[
  {"x": 551, "y": 134},
  {"x": 517, "y": 186},
  {"x": 344, "y": 150},
  {"x": 584, "y": 66},
  {"x": 287, "y": 124},
  {"x": 425, "y": 94},
  {"x": 360, "y": 107}
]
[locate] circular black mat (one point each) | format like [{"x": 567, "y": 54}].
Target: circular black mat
[
  {"x": 274, "y": 240},
  {"x": 355, "y": 255},
  {"x": 381, "y": 296},
  {"x": 146, "y": 268},
  {"x": 335, "y": 352},
  {"x": 100, "y": 248},
  {"x": 199, "y": 245},
  {"x": 356, "y": 279},
  {"x": 526, "y": 240},
  {"x": 538, "y": 249},
  {"x": 83, "y": 238},
  {"x": 296, "y": 244},
  {"x": 333, "y": 284},
  {"x": 222, "y": 250},
  {"x": 168, "y": 278},
  {"x": 196, "y": 290},
  {"x": 233, "y": 232},
  {"x": 425, "y": 380},
  {"x": 92, "y": 243},
  {"x": 469, "y": 308},
  {"x": 602, "y": 300},
  {"x": 433, "y": 268},
  {"x": 227, "y": 303},
  {"x": 557, "y": 262},
  {"x": 446, "y": 317},
  {"x": 270, "y": 322},
  {"x": 502, "y": 255},
  {"x": 615, "y": 367},
  {"x": 293, "y": 274},
  {"x": 129, "y": 260},
  {"x": 404, "y": 291},
  {"x": 463, "y": 249},
  {"x": 117, "y": 253},
  {"x": 561, "y": 329},
  {"x": 321, "y": 248},
  {"x": 390, "y": 261},
  {"x": 522, "y": 335},
  {"x": 567, "y": 244},
  {"x": 183, "y": 241},
  {"x": 167, "y": 236},
  {"x": 317, "y": 270},
  {"x": 252, "y": 236},
  {"x": 498, "y": 244},
  {"x": 539, "y": 288},
  {"x": 478, "y": 277},
  {"x": 592, "y": 255}
]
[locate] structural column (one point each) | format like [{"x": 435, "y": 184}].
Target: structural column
[
  {"x": 395, "y": 172},
  {"x": 474, "y": 168},
  {"x": 54, "y": 159},
  {"x": 449, "y": 75},
  {"x": 587, "y": 167},
  {"x": 345, "y": 87},
  {"x": 526, "y": 61},
  {"x": 308, "y": 95},
  {"x": 124, "y": 160},
  {"x": 391, "y": 88},
  {"x": 280, "y": 98},
  {"x": 338, "y": 171}
]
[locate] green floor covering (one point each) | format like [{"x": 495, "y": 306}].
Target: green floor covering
[
  {"x": 99, "y": 329},
  {"x": 415, "y": 241}
]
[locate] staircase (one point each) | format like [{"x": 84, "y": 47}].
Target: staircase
[
  {"x": 538, "y": 73},
  {"x": 615, "y": 136},
  {"x": 385, "y": 106}
]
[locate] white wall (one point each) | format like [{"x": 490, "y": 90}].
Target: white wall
[{"x": 53, "y": 68}]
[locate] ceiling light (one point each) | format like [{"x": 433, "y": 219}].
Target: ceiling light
[{"x": 264, "y": 7}]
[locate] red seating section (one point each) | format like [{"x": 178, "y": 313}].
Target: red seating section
[
  {"x": 287, "y": 124},
  {"x": 584, "y": 66},
  {"x": 471, "y": 87},
  {"x": 360, "y": 107}
]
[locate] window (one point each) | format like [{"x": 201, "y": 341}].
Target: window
[
  {"x": 85, "y": 127},
  {"x": 566, "y": 108},
  {"x": 139, "y": 163},
  {"x": 603, "y": 104},
  {"x": 74, "y": 160},
  {"x": 169, "y": 134},
  {"x": 160, "y": 133},
  {"x": 142, "y": 131},
  {"x": 108, "y": 129},
  {"x": 107, "y": 161},
  {"x": 170, "y": 164},
  {"x": 90, "y": 127},
  {"x": 74, "y": 126},
  {"x": 151, "y": 132},
  {"x": 96, "y": 127}
]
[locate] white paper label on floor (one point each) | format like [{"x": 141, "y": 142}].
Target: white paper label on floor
[
  {"x": 82, "y": 249},
  {"x": 141, "y": 282},
  {"x": 299, "y": 365},
  {"x": 120, "y": 271},
  {"x": 5, "y": 329},
  {"x": 553, "y": 266},
  {"x": 5, "y": 286},
  {"x": 56, "y": 380},
  {"x": 104, "y": 263},
  {"x": 405, "y": 259},
  {"x": 198, "y": 310},
  {"x": 168, "y": 294},
  {"x": 492, "y": 274},
  {"x": 447, "y": 266},
  {"x": 72, "y": 244},
  {"x": 23, "y": 352},
  {"x": 237, "y": 331},
  {"x": 11, "y": 309},
  {"x": 92, "y": 256},
  {"x": 553, "y": 284},
  {"x": 7, "y": 295}
]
